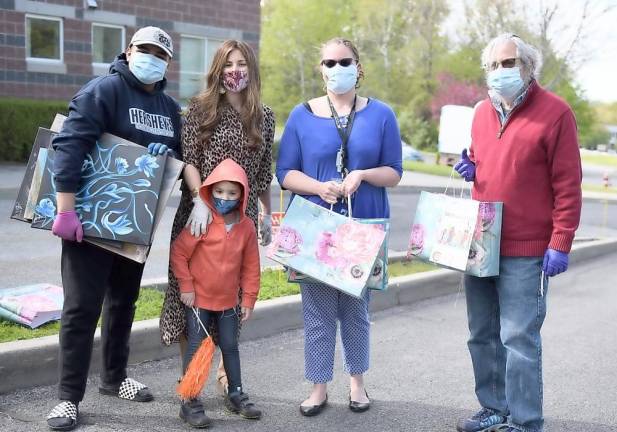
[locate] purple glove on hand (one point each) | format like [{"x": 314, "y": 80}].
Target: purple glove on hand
[
  {"x": 68, "y": 226},
  {"x": 555, "y": 262},
  {"x": 465, "y": 167}
]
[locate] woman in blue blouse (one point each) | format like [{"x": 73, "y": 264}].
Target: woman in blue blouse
[{"x": 314, "y": 163}]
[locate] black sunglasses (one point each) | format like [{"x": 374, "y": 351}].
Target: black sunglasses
[
  {"x": 330, "y": 63},
  {"x": 505, "y": 63}
]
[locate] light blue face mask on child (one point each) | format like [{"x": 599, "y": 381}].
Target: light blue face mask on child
[
  {"x": 224, "y": 206},
  {"x": 147, "y": 68}
]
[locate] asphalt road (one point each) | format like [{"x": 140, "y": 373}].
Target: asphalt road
[
  {"x": 32, "y": 256},
  {"x": 420, "y": 377}
]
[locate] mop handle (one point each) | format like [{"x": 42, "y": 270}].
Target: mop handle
[{"x": 200, "y": 323}]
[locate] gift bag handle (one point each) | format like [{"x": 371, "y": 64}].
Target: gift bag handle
[
  {"x": 463, "y": 188},
  {"x": 348, "y": 206}
]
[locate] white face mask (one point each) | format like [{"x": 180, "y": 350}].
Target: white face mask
[
  {"x": 147, "y": 68},
  {"x": 341, "y": 79}
]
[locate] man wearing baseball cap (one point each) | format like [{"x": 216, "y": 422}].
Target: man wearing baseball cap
[{"x": 128, "y": 102}]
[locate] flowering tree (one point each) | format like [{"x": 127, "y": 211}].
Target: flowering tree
[{"x": 451, "y": 91}]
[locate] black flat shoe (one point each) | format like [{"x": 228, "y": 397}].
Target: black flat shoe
[
  {"x": 309, "y": 411},
  {"x": 359, "y": 407}
]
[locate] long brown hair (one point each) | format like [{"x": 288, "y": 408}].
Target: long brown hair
[{"x": 210, "y": 101}]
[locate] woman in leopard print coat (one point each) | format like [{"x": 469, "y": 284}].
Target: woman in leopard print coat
[{"x": 226, "y": 120}]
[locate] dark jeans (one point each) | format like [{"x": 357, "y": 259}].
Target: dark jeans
[
  {"x": 93, "y": 280},
  {"x": 227, "y": 324}
]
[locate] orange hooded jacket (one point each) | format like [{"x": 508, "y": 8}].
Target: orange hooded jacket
[{"x": 218, "y": 263}]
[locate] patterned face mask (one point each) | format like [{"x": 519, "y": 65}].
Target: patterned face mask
[{"x": 235, "y": 81}]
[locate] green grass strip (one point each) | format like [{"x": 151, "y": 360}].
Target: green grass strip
[
  {"x": 428, "y": 168},
  {"x": 607, "y": 160},
  {"x": 273, "y": 284}
]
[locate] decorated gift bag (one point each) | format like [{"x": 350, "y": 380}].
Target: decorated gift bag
[
  {"x": 327, "y": 247},
  {"x": 379, "y": 274},
  {"x": 457, "y": 233}
]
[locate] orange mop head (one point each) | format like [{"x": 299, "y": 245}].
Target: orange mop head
[{"x": 198, "y": 369}]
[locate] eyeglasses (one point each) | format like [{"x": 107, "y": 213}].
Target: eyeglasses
[
  {"x": 330, "y": 63},
  {"x": 505, "y": 63}
]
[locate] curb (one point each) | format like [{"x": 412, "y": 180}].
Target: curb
[{"x": 34, "y": 362}]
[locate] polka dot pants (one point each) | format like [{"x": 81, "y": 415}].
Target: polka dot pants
[{"x": 322, "y": 306}]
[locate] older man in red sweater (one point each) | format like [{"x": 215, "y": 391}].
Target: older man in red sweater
[{"x": 525, "y": 153}]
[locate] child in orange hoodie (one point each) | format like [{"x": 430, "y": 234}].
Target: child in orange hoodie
[{"x": 210, "y": 271}]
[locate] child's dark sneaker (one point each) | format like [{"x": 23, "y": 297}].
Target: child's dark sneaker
[
  {"x": 192, "y": 412},
  {"x": 485, "y": 420},
  {"x": 63, "y": 417},
  {"x": 238, "y": 403}
]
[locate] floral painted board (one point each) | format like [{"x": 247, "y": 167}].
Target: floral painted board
[
  {"x": 117, "y": 195},
  {"x": 23, "y": 209},
  {"x": 379, "y": 275},
  {"x": 457, "y": 233},
  {"x": 326, "y": 246}
]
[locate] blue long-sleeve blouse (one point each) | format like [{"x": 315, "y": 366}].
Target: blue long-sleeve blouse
[{"x": 310, "y": 143}]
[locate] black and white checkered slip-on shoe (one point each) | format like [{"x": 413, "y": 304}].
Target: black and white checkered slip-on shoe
[
  {"x": 128, "y": 389},
  {"x": 63, "y": 417}
]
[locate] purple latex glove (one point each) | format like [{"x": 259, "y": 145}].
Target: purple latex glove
[
  {"x": 555, "y": 262},
  {"x": 465, "y": 167},
  {"x": 68, "y": 226}
]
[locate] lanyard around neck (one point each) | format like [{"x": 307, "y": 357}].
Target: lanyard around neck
[{"x": 344, "y": 132}]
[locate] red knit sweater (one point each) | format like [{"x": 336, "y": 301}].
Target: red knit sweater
[{"x": 532, "y": 164}]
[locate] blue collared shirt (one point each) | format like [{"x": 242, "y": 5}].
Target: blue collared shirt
[{"x": 501, "y": 111}]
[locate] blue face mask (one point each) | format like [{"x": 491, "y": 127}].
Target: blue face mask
[
  {"x": 147, "y": 68},
  {"x": 224, "y": 206},
  {"x": 506, "y": 82},
  {"x": 341, "y": 79}
]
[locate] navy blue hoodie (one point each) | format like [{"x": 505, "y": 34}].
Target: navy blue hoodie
[{"x": 118, "y": 104}]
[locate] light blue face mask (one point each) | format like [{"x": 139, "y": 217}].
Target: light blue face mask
[
  {"x": 147, "y": 68},
  {"x": 224, "y": 206},
  {"x": 341, "y": 79},
  {"x": 506, "y": 82}
]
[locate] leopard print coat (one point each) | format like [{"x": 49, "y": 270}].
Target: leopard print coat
[{"x": 229, "y": 140}]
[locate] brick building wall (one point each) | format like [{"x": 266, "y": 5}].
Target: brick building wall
[{"x": 20, "y": 77}]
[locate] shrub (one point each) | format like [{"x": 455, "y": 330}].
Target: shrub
[{"x": 19, "y": 122}]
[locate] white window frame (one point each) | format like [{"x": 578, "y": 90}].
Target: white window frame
[
  {"x": 122, "y": 45},
  {"x": 207, "y": 42},
  {"x": 28, "y": 43}
]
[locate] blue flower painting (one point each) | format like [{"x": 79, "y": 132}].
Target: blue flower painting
[
  {"x": 119, "y": 186},
  {"x": 121, "y": 165},
  {"x": 46, "y": 208},
  {"x": 147, "y": 164}
]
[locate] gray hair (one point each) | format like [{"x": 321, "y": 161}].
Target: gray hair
[{"x": 529, "y": 57}]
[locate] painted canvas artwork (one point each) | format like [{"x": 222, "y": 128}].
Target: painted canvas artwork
[
  {"x": 173, "y": 169},
  {"x": 31, "y": 305},
  {"x": 326, "y": 246},
  {"x": 457, "y": 233},
  {"x": 117, "y": 196},
  {"x": 23, "y": 209}
]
